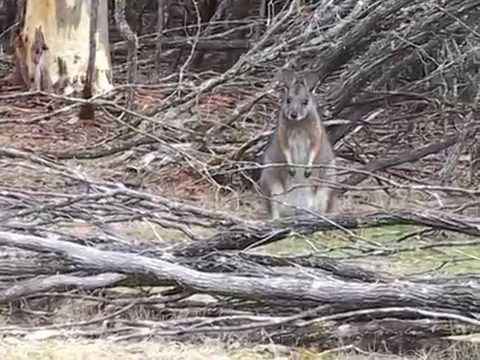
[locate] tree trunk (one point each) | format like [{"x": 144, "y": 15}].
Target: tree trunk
[{"x": 52, "y": 48}]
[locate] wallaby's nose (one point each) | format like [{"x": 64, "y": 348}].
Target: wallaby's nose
[{"x": 293, "y": 115}]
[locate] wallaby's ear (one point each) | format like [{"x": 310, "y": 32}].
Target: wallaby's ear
[
  {"x": 310, "y": 79},
  {"x": 285, "y": 76}
]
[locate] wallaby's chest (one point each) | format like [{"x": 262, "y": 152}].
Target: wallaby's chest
[{"x": 299, "y": 144}]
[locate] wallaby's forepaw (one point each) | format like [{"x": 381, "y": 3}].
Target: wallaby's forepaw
[
  {"x": 291, "y": 172},
  {"x": 308, "y": 172}
]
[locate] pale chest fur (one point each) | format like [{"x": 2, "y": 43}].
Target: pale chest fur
[{"x": 299, "y": 145}]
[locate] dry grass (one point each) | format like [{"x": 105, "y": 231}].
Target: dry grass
[
  {"x": 73, "y": 349},
  {"x": 14, "y": 349}
]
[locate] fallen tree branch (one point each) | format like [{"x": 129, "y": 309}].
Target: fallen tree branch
[
  {"x": 413, "y": 155},
  {"x": 253, "y": 234},
  {"x": 58, "y": 282},
  {"x": 338, "y": 295}
]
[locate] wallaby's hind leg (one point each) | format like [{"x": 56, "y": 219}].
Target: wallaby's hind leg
[
  {"x": 325, "y": 195},
  {"x": 274, "y": 210},
  {"x": 272, "y": 190},
  {"x": 276, "y": 191},
  {"x": 332, "y": 202},
  {"x": 323, "y": 200}
]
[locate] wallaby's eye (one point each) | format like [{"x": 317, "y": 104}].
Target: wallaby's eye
[
  {"x": 305, "y": 102},
  {"x": 289, "y": 100}
]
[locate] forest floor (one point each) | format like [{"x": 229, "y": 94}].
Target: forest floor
[
  {"x": 149, "y": 350},
  {"x": 27, "y": 123}
]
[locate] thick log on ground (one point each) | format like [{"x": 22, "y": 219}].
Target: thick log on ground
[
  {"x": 326, "y": 309},
  {"x": 247, "y": 234},
  {"x": 338, "y": 295}
]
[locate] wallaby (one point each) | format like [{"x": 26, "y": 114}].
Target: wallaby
[{"x": 299, "y": 139}]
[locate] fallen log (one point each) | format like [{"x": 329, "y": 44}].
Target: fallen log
[
  {"x": 251, "y": 234},
  {"x": 337, "y": 294}
]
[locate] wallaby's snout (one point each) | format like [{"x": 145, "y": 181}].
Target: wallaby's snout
[{"x": 293, "y": 115}]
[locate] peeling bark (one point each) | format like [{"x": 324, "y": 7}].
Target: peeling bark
[
  {"x": 40, "y": 78},
  {"x": 51, "y": 52}
]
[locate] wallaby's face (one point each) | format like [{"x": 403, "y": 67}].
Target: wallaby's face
[
  {"x": 297, "y": 96},
  {"x": 297, "y": 101}
]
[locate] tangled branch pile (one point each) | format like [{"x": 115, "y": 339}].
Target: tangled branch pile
[{"x": 395, "y": 76}]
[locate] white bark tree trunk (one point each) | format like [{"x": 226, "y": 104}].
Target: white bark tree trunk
[{"x": 53, "y": 47}]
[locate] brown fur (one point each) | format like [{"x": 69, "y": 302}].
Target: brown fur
[
  {"x": 39, "y": 52},
  {"x": 21, "y": 53},
  {"x": 300, "y": 138}
]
